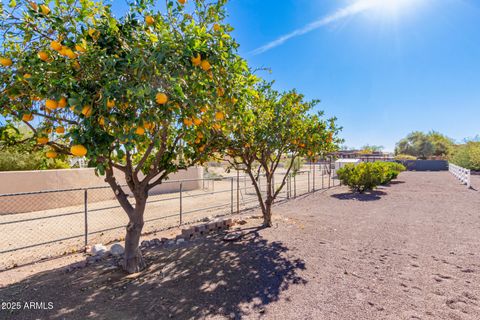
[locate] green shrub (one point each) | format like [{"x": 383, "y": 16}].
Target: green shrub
[
  {"x": 405, "y": 157},
  {"x": 467, "y": 155},
  {"x": 35, "y": 160},
  {"x": 367, "y": 176},
  {"x": 391, "y": 170}
]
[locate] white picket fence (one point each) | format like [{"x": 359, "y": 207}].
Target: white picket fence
[{"x": 460, "y": 173}]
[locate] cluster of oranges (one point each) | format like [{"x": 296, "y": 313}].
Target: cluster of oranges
[
  {"x": 198, "y": 62},
  {"x": 51, "y": 104},
  {"x": 64, "y": 50}
]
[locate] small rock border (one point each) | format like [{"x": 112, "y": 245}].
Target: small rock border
[{"x": 99, "y": 252}]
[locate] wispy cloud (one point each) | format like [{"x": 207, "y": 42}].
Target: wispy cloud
[{"x": 350, "y": 10}]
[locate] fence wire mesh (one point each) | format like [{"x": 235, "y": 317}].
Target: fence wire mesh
[{"x": 46, "y": 224}]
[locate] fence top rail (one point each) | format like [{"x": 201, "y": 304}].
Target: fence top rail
[{"x": 220, "y": 178}]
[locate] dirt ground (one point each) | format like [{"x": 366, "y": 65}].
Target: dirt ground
[{"x": 410, "y": 250}]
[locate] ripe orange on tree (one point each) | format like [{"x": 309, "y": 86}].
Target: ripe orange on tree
[
  {"x": 78, "y": 150},
  {"x": 42, "y": 140},
  {"x": 87, "y": 111},
  {"x": 219, "y": 116},
  {"x": 45, "y": 9},
  {"x": 140, "y": 131},
  {"x": 110, "y": 103},
  {"x": 196, "y": 61},
  {"x": 206, "y": 65},
  {"x": 27, "y": 117},
  {"x": 43, "y": 55},
  {"x": 51, "y": 154},
  {"x": 6, "y": 62},
  {"x": 55, "y": 45},
  {"x": 62, "y": 103},
  {"x": 197, "y": 121},
  {"x": 51, "y": 104},
  {"x": 161, "y": 98},
  {"x": 149, "y": 20}
]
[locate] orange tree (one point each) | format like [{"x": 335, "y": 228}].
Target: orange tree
[
  {"x": 271, "y": 127},
  {"x": 141, "y": 96}
]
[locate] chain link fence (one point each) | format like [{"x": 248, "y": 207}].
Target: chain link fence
[{"x": 46, "y": 224}]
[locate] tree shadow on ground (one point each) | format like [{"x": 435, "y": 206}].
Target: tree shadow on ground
[
  {"x": 394, "y": 182},
  {"x": 205, "y": 277},
  {"x": 366, "y": 196}
]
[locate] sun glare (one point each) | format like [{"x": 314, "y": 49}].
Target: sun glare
[
  {"x": 390, "y": 12},
  {"x": 391, "y": 7}
]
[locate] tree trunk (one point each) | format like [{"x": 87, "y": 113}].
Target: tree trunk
[
  {"x": 267, "y": 214},
  {"x": 133, "y": 259}
]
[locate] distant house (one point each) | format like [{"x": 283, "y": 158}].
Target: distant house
[
  {"x": 362, "y": 156},
  {"x": 340, "y": 163}
]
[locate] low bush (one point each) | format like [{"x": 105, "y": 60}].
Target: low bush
[
  {"x": 391, "y": 170},
  {"x": 367, "y": 176},
  {"x": 467, "y": 156},
  {"x": 405, "y": 157}
]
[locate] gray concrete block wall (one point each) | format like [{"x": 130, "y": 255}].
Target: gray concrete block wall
[{"x": 425, "y": 165}]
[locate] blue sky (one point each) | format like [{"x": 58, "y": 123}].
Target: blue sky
[
  {"x": 384, "y": 69},
  {"x": 382, "y": 72}
]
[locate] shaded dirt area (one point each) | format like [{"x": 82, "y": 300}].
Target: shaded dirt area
[{"x": 410, "y": 250}]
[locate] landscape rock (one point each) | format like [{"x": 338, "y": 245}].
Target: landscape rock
[
  {"x": 93, "y": 259},
  {"x": 145, "y": 244},
  {"x": 201, "y": 229},
  {"x": 117, "y": 249},
  {"x": 212, "y": 226},
  {"x": 98, "y": 249},
  {"x": 188, "y": 233},
  {"x": 220, "y": 225},
  {"x": 233, "y": 236},
  {"x": 156, "y": 242}
]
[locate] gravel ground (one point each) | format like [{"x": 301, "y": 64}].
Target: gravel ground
[{"x": 406, "y": 251}]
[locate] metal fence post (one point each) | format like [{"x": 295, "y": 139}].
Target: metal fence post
[
  {"x": 322, "y": 175},
  {"x": 329, "y": 171},
  {"x": 314, "y": 165},
  {"x": 238, "y": 191},
  {"x": 245, "y": 184},
  {"x": 294, "y": 186},
  {"x": 308, "y": 188},
  {"x": 181, "y": 204},
  {"x": 288, "y": 186},
  {"x": 85, "y": 199},
  {"x": 231, "y": 195}
]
